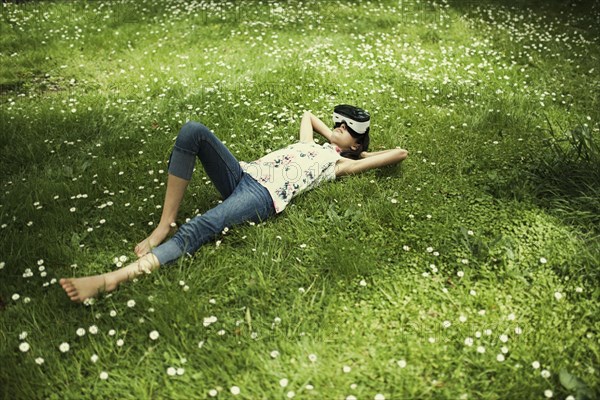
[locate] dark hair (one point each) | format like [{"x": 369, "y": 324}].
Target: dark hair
[{"x": 362, "y": 142}]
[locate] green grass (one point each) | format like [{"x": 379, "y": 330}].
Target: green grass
[{"x": 453, "y": 275}]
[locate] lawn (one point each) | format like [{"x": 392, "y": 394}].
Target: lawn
[{"x": 470, "y": 271}]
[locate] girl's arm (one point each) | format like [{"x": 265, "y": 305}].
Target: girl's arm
[
  {"x": 311, "y": 123},
  {"x": 346, "y": 166},
  {"x": 366, "y": 154}
]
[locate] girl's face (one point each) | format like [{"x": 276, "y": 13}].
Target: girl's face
[{"x": 342, "y": 138}]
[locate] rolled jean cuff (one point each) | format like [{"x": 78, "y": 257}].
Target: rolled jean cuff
[
  {"x": 167, "y": 252},
  {"x": 181, "y": 163}
]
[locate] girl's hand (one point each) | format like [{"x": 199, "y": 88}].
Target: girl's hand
[{"x": 364, "y": 154}]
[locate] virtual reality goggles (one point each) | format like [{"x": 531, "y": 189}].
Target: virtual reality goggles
[{"x": 356, "y": 119}]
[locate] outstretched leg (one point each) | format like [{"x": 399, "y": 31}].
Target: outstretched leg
[
  {"x": 250, "y": 201},
  {"x": 81, "y": 289}
]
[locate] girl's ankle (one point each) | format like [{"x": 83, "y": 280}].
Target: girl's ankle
[{"x": 167, "y": 224}]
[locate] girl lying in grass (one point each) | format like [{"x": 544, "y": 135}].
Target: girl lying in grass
[{"x": 251, "y": 191}]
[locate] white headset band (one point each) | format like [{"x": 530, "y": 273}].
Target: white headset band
[{"x": 356, "y": 126}]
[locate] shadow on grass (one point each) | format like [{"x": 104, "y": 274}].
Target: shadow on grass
[
  {"x": 548, "y": 7},
  {"x": 567, "y": 175}
]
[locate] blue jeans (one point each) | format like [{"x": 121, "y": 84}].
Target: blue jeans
[{"x": 244, "y": 198}]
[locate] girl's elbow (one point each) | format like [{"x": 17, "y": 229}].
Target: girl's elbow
[{"x": 402, "y": 154}]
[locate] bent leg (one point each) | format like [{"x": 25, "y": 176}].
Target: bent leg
[
  {"x": 174, "y": 195},
  {"x": 196, "y": 140},
  {"x": 250, "y": 201}
]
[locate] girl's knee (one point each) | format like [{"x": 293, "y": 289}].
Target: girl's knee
[{"x": 190, "y": 134}]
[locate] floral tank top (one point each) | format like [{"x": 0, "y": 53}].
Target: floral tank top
[{"x": 294, "y": 169}]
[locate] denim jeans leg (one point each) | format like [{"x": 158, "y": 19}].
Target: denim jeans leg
[
  {"x": 250, "y": 201},
  {"x": 196, "y": 140}
]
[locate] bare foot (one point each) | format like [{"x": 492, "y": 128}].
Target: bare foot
[
  {"x": 81, "y": 289},
  {"x": 157, "y": 236}
]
